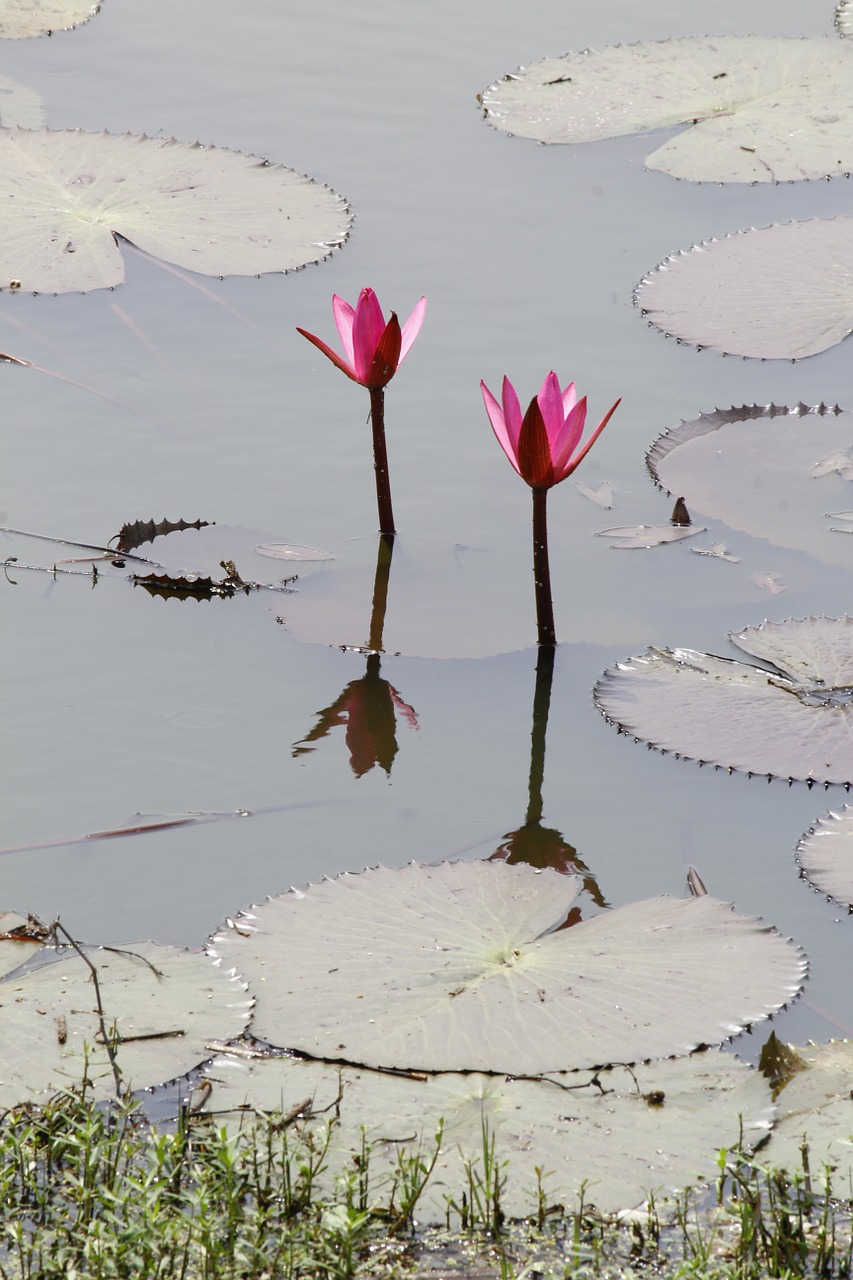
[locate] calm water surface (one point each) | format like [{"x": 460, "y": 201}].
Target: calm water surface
[{"x": 116, "y": 703}]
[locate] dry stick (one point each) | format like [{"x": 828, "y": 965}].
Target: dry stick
[
  {"x": 542, "y": 570},
  {"x": 81, "y": 386},
  {"x": 57, "y": 928},
  {"x": 194, "y": 284},
  {"x": 380, "y": 461}
]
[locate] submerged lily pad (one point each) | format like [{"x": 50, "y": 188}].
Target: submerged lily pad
[
  {"x": 462, "y": 967},
  {"x": 69, "y": 194},
  {"x": 792, "y": 718},
  {"x": 762, "y": 109},
  {"x": 778, "y": 293},
  {"x": 619, "y": 1135},
  {"x": 752, "y": 466},
  {"x": 163, "y": 1003},
  {"x": 20, "y": 19},
  {"x": 19, "y": 106},
  {"x": 825, "y": 854},
  {"x": 816, "y": 1112}
]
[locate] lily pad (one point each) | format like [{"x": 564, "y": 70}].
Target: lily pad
[
  {"x": 21, "y": 18},
  {"x": 207, "y": 209},
  {"x": 816, "y": 1110},
  {"x": 792, "y": 718},
  {"x": 752, "y": 466},
  {"x": 644, "y": 536},
  {"x": 777, "y": 293},
  {"x": 620, "y": 1135},
  {"x": 825, "y": 854},
  {"x": 163, "y": 1002},
  {"x": 762, "y": 109},
  {"x": 462, "y": 967},
  {"x": 844, "y": 18}
]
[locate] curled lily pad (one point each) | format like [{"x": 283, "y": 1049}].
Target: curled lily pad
[
  {"x": 461, "y": 966},
  {"x": 771, "y": 293},
  {"x": 644, "y": 536},
  {"x": 774, "y": 109},
  {"x": 751, "y": 466},
  {"x": 69, "y": 195},
  {"x": 816, "y": 1119},
  {"x": 21, "y": 18},
  {"x": 792, "y": 718},
  {"x": 162, "y": 1003},
  {"x": 825, "y": 854},
  {"x": 620, "y": 1134}
]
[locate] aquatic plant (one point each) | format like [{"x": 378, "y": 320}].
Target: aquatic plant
[
  {"x": 542, "y": 446},
  {"x": 374, "y": 352}
]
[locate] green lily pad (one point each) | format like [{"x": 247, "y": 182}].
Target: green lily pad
[
  {"x": 619, "y": 1135},
  {"x": 206, "y": 209},
  {"x": 777, "y": 293},
  {"x": 163, "y": 1003},
  {"x": 462, "y": 967},
  {"x": 816, "y": 1112},
  {"x": 792, "y": 718},
  {"x": 761, "y": 109}
]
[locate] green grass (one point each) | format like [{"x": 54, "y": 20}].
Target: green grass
[{"x": 96, "y": 1193}]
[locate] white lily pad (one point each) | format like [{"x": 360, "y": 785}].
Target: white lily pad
[
  {"x": 844, "y": 18},
  {"x": 790, "y": 719},
  {"x": 777, "y": 293},
  {"x": 163, "y": 1002},
  {"x": 22, "y": 18},
  {"x": 825, "y": 854},
  {"x": 207, "y": 209},
  {"x": 816, "y": 1108},
  {"x": 462, "y": 967},
  {"x": 643, "y": 536},
  {"x": 753, "y": 465},
  {"x": 621, "y": 1135},
  {"x": 762, "y": 109}
]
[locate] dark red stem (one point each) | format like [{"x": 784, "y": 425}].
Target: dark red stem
[
  {"x": 542, "y": 569},
  {"x": 380, "y": 461}
]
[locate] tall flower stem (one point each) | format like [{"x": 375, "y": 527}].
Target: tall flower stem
[
  {"x": 380, "y": 461},
  {"x": 542, "y": 569}
]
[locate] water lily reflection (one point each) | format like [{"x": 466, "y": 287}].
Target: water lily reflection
[
  {"x": 532, "y": 843},
  {"x": 368, "y": 707}
]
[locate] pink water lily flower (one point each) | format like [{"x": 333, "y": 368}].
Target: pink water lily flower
[
  {"x": 543, "y": 445},
  {"x": 374, "y": 350}
]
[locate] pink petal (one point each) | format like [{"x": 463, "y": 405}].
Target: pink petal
[
  {"x": 496, "y": 418},
  {"x": 327, "y": 351},
  {"x": 344, "y": 316},
  {"x": 570, "y": 399},
  {"x": 513, "y": 416},
  {"x": 569, "y": 436},
  {"x": 367, "y": 330},
  {"x": 412, "y": 328},
  {"x": 592, "y": 439},
  {"x": 550, "y": 400}
]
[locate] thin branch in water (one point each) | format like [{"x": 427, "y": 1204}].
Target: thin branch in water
[
  {"x": 71, "y": 382},
  {"x": 108, "y": 1041},
  {"x": 194, "y": 284},
  {"x": 140, "y": 335}
]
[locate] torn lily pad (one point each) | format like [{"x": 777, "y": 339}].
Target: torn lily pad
[
  {"x": 792, "y": 718},
  {"x": 825, "y": 854},
  {"x": 643, "y": 536},
  {"x": 162, "y": 1003},
  {"x": 618, "y": 1135},
  {"x": 816, "y": 1113},
  {"x": 761, "y": 109},
  {"x": 777, "y": 293},
  {"x": 69, "y": 195},
  {"x": 462, "y": 967},
  {"x": 21, "y": 19},
  {"x": 751, "y": 466}
]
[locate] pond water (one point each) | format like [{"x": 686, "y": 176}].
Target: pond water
[{"x": 117, "y": 703}]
